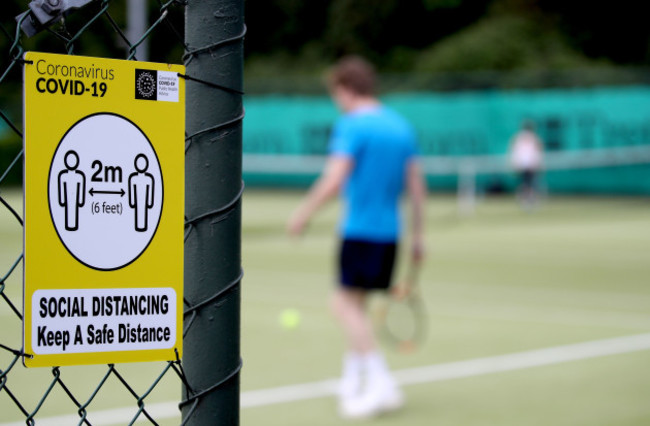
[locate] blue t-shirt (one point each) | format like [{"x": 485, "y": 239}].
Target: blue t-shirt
[{"x": 381, "y": 144}]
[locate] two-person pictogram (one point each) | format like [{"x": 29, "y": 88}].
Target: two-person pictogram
[{"x": 72, "y": 191}]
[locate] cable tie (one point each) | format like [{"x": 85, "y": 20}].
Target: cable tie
[
  {"x": 191, "y": 53},
  {"x": 211, "y": 84},
  {"x": 16, "y": 352},
  {"x": 231, "y": 285},
  {"x": 221, "y": 210},
  {"x": 212, "y": 388},
  {"x": 219, "y": 126}
]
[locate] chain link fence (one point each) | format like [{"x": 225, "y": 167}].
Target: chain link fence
[{"x": 90, "y": 393}]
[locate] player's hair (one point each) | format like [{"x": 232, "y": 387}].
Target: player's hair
[
  {"x": 355, "y": 74},
  {"x": 528, "y": 124}
]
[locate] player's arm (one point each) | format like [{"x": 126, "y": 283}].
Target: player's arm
[
  {"x": 417, "y": 191},
  {"x": 327, "y": 186}
]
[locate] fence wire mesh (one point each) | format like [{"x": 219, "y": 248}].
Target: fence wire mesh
[{"x": 32, "y": 395}]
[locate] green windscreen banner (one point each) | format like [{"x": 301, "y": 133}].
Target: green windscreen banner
[{"x": 581, "y": 123}]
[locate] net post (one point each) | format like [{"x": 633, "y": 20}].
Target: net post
[{"x": 213, "y": 182}]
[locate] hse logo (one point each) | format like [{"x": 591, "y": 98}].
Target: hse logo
[
  {"x": 105, "y": 191},
  {"x": 155, "y": 85},
  {"x": 146, "y": 84}
]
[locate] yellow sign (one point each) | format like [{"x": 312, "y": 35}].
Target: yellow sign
[{"x": 104, "y": 210}]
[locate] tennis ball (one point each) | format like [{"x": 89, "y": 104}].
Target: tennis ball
[{"x": 289, "y": 319}]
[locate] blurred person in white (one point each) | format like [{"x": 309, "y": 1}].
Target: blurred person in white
[
  {"x": 526, "y": 157},
  {"x": 372, "y": 159}
]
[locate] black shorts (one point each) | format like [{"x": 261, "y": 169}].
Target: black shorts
[
  {"x": 366, "y": 265},
  {"x": 527, "y": 178}
]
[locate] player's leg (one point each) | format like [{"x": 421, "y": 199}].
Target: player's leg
[
  {"x": 367, "y": 386},
  {"x": 348, "y": 305},
  {"x": 530, "y": 185},
  {"x": 364, "y": 267}
]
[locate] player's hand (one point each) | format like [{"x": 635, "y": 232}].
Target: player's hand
[
  {"x": 401, "y": 290},
  {"x": 296, "y": 224}
]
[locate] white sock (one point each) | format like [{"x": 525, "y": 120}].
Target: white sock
[
  {"x": 377, "y": 369},
  {"x": 350, "y": 383},
  {"x": 374, "y": 363}
]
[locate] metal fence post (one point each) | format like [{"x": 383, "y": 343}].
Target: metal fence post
[{"x": 214, "y": 31}]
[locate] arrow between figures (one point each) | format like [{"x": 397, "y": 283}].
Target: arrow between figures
[{"x": 94, "y": 191}]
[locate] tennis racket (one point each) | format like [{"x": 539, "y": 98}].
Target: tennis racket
[{"x": 401, "y": 315}]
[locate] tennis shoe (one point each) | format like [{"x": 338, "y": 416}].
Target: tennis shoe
[
  {"x": 375, "y": 401},
  {"x": 349, "y": 387}
]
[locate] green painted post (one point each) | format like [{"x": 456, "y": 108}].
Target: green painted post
[{"x": 214, "y": 32}]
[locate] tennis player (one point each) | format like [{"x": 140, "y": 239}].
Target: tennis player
[
  {"x": 526, "y": 156},
  {"x": 372, "y": 159}
]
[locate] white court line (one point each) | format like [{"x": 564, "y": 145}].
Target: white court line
[
  {"x": 460, "y": 369},
  {"x": 555, "y": 315},
  {"x": 411, "y": 376}
]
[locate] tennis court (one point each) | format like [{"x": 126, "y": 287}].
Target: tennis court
[
  {"x": 499, "y": 282},
  {"x": 501, "y": 286}
]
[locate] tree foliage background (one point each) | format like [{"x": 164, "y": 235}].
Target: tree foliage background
[
  {"x": 447, "y": 35},
  {"x": 299, "y": 37},
  {"x": 289, "y": 39}
]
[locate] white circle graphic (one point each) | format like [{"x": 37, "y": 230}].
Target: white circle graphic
[{"x": 105, "y": 191}]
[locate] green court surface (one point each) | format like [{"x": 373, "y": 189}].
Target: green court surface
[{"x": 498, "y": 282}]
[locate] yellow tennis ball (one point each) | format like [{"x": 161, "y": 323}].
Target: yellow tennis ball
[{"x": 289, "y": 318}]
